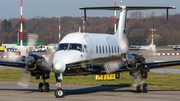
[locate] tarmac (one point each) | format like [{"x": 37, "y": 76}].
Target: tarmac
[{"x": 9, "y": 91}]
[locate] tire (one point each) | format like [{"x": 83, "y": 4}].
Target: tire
[
  {"x": 59, "y": 93},
  {"x": 40, "y": 87},
  {"x": 138, "y": 88},
  {"x": 144, "y": 88},
  {"x": 46, "y": 87}
]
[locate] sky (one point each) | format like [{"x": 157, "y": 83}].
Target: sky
[{"x": 51, "y": 8}]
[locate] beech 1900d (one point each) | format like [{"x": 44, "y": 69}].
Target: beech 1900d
[{"x": 92, "y": 53}]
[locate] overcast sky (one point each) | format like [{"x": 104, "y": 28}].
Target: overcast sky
[{"x": 52, "y": 8}]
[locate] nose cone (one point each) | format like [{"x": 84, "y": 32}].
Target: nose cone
[{"x": 59, "y": 66}]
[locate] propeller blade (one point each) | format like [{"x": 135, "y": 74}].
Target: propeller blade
[
  {"x": 24, "y": 81},
  {"x": 32, "y": 39},
  {"x": 137, "y": 78},
  {"x": 150, "y": 52}
]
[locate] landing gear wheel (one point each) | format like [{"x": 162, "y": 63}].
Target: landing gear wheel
[
  {"x": 138, "y": 88},
  {"x": 40, "y": 87},
  {"x": 59, "y": 93},
  {"x": 144, "y": 88},
  {"x": 46, "y": 87}
]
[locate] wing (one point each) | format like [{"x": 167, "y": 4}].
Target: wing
[
  {"x": 153, "y": 65},
  {"x": 13, "y": 64},
  {"x": 145, "y": 67}
]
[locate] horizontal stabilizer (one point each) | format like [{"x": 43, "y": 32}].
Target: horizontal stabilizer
[{"x": 128, "y": 7}]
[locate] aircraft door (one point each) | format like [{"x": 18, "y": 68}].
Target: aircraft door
[
  {"x": 109, "y": 46},
  {"x": 89, "y": 52},
  {"x": 89, "y": 47}
]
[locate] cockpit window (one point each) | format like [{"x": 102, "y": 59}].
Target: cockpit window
[
  {"x": 75, "y": 47},
  {"x": 63, "y": 46}
]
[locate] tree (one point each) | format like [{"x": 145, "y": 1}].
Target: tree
[
  {"x": 136, "y": 15},
  {"x": 153, "y": 13},
  {"x": 6, "y": 26},
  {"x": 135, "y": 40},
  {"x": 110, "y": 30},
  {"x": 156, "y": 39}
]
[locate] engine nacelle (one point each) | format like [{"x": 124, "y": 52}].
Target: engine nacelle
[
  {"x": 112, "y": 66},
  {"x": 135, "y": 67},
  {"x": 133, "y": 60}
]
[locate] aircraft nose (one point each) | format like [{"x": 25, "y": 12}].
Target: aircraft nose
[{"x": 59, "y": 66}]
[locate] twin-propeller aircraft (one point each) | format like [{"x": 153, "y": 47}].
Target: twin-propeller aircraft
[{"x": 91, "y": 54}]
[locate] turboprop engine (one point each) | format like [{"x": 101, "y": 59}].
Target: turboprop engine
[{"x": 134, "y": 65}]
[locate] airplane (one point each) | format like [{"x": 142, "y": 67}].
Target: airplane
[{"x": 92, "y": 53}]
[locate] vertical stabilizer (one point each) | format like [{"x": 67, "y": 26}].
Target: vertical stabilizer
[{"x": 122, "y": 22}]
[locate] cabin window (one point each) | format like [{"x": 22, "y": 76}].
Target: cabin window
[
  {"x": 85, "y": 48},
  {"x": 118, "y": 48},
  {"x": 97, "y": 49},
  {"x": 74, "y": 46},
  {"x": 103, "y": 49},
  {"x": 112, "y": 49},
  {"x": 63, "y": 46},
  {"x": 100, "y": 49},
  {"x": 115, "y": 48},
  {"x": 106, "y": 49}
]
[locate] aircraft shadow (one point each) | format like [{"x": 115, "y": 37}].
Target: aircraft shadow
[
  {"x": 109, "y": 88},
  {"x": 27, "y": 90}
]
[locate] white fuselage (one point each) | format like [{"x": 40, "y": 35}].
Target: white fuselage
[
  {"x": 97, "y": 48},
  {"x": 77, "y": 50}
]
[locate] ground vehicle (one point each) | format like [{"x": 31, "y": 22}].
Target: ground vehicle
[
  {"x": 41, "y": 48},
  {"x": 16, "y": 50},
  {"x": 2, "y": 49}
]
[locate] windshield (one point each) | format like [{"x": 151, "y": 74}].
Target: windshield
[
  {"x": 75, "y": 47},
  {"x": 72, "y": 46},
  {"x": 62, "y": 46}
]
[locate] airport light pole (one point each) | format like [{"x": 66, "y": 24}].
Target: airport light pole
[
  {"x": 17, "y": 37},
  {"x": 84, "y": 24},
  {"x": 152, "y": 34},
  {"x": 59, "y": 28},
  {"x": 21, "y": 30},
  {"x": 115, "y": 18}
]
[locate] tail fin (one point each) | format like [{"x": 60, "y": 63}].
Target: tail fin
[{"x": 122, "y": 23}]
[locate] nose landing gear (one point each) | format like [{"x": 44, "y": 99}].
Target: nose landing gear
[{"x": 59, "y": 93}]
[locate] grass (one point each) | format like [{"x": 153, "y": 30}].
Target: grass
[
  {"x": 154, "y": 80},
  {"x": 160, "y": 47},
  {"x": 174, "y": 67}
]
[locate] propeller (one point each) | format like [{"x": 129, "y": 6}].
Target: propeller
[
  {"x": 113, "y": 66},
  {"x": 134, "y": 62},
  {"x": 24, "y": 81}
]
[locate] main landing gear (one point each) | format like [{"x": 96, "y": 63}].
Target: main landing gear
[
  {"x": 141, "y": 87},
  {"x": 44, "y": 86},
  {"x": 59, "y": 93}
]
